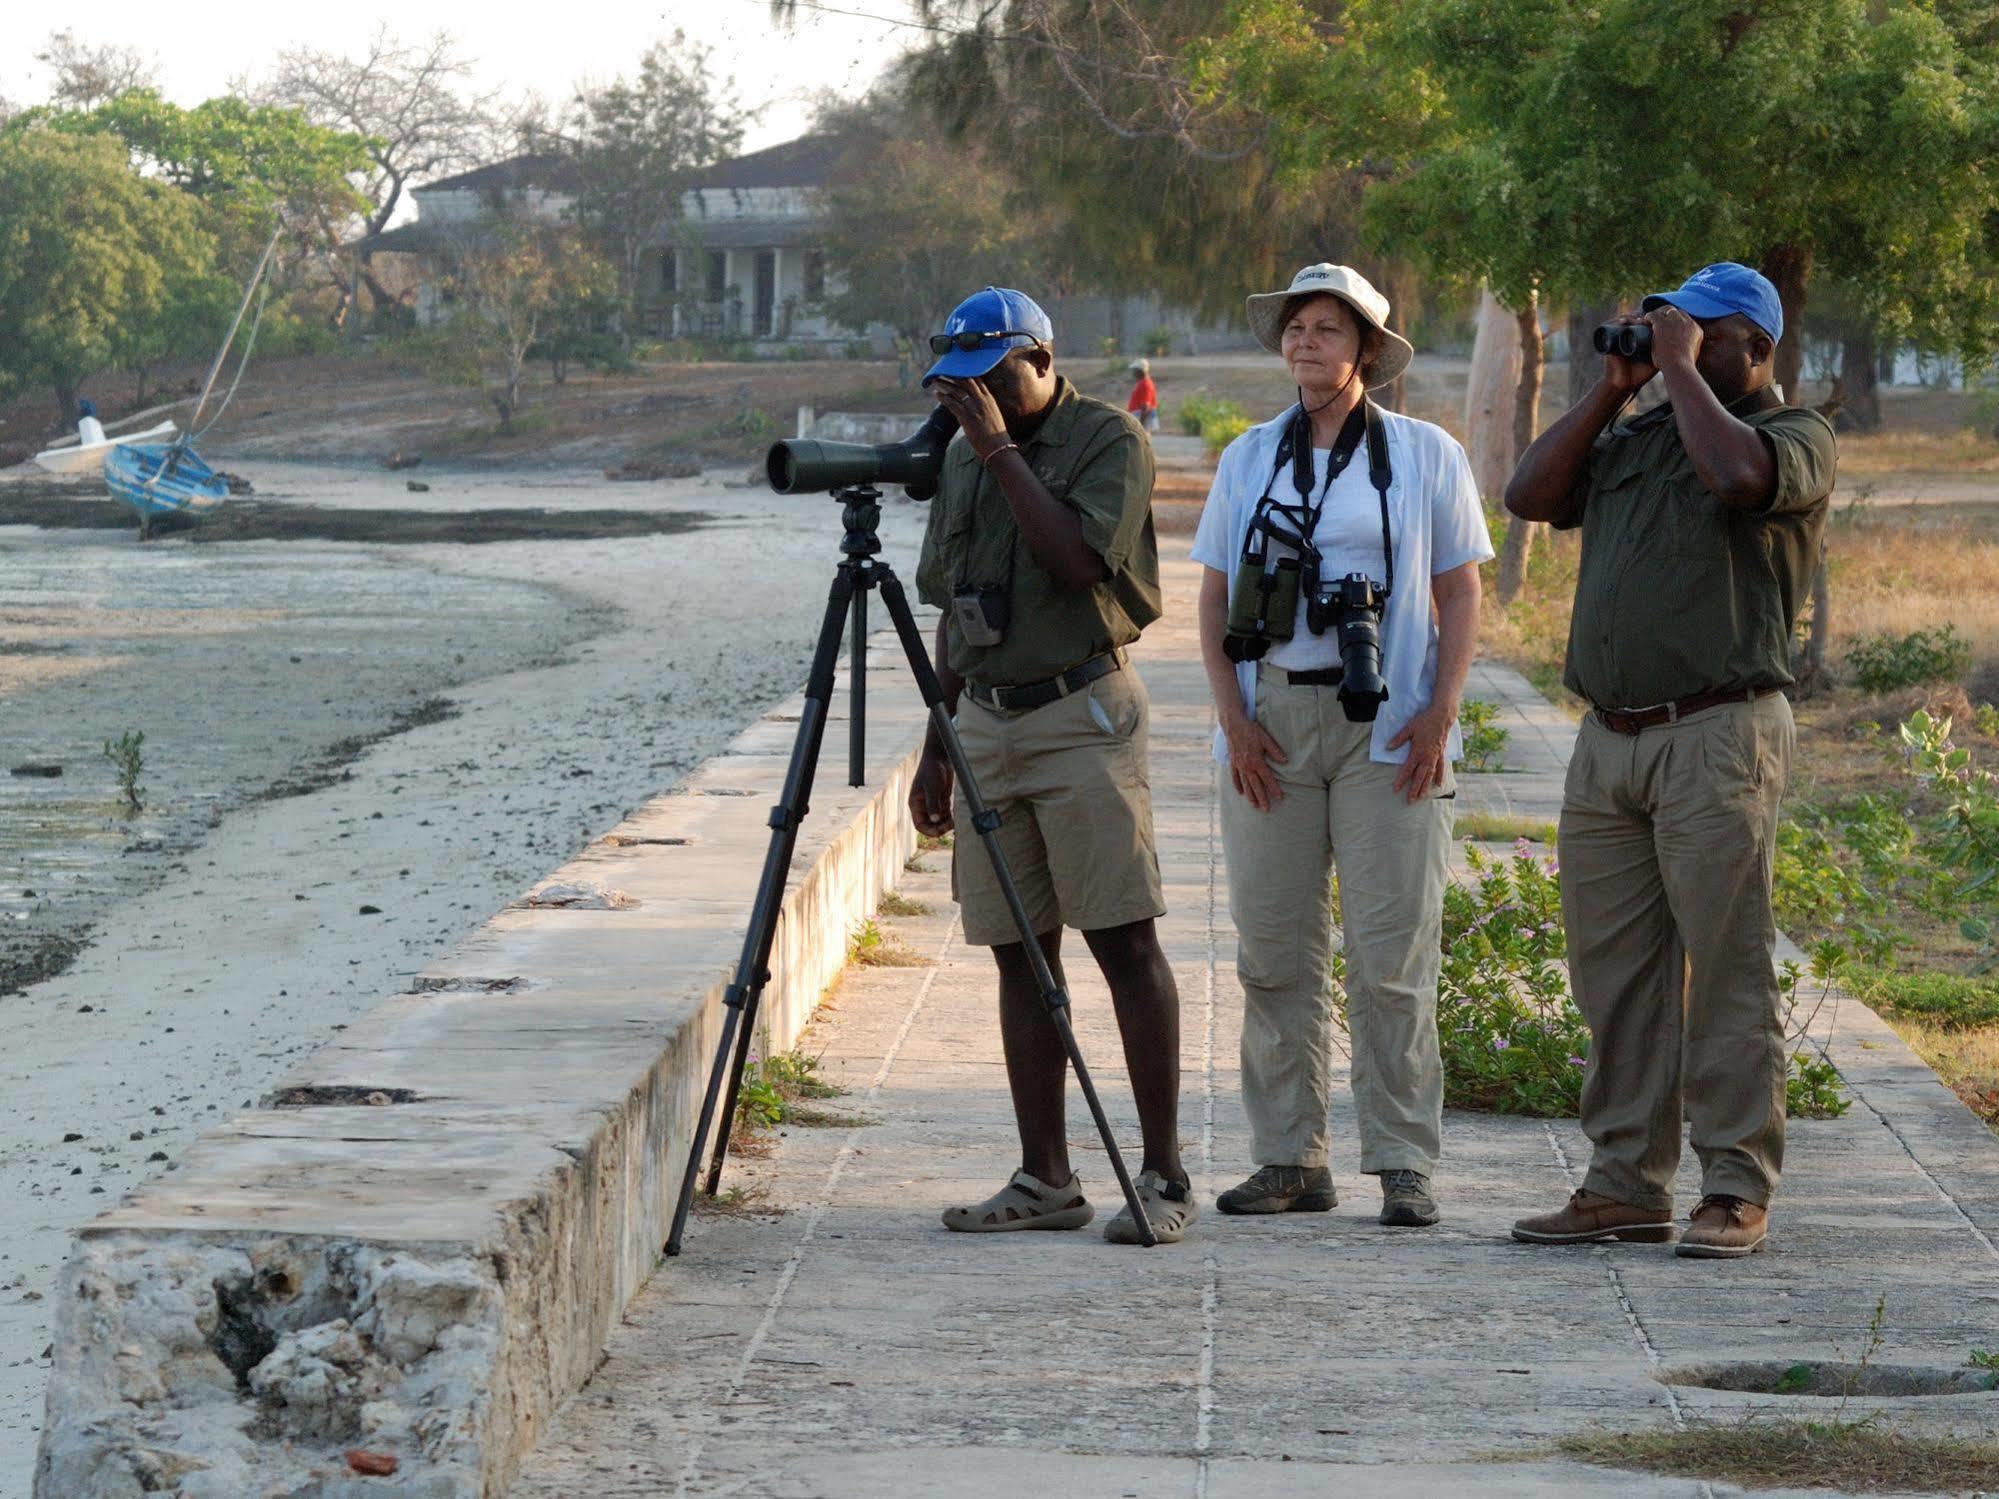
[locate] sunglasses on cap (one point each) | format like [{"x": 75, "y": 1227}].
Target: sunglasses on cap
[{"x": 944, "y": 343}]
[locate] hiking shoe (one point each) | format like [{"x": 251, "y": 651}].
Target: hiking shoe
[
  {"x": 1724, "y": 1228},
  {"x": 1169, "y": 1208},
  {"x": 1406, "y": 1201},
  {"x": 1025, "y": 1202},
  {"x": 1282, "y": 1189},
  {"x": 1591, "y": 1218}
]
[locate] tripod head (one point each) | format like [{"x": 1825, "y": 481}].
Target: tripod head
[{"x": 861, "y": 513}]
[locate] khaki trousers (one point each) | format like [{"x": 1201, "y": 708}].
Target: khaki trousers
[
  {"x": 1339, "y": 810},
  {"x": 1666, "y": 841}
]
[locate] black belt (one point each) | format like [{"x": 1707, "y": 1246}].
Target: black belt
[
  {"x": 1041, "y": 694},
  {"x": 1330, "y": 676},
  {"x": 1636, "y": 720}
]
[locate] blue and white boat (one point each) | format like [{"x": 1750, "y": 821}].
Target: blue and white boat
[{"x": 162, "y": 478}]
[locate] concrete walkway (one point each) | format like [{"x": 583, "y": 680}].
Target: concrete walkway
[{"x": 827, "y": 1338}]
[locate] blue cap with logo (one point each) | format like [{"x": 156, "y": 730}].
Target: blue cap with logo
[
  {"x": 1012, "y": 320},
  {"x": 1724, "y": 287}
]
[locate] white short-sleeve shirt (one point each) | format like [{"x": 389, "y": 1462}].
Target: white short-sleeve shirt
[{"x": 1437, "y": 523}]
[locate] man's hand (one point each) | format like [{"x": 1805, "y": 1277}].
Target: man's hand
[
  {"x": 930, "y": 794},
  {"x": 1252, "y": 750},
  {"x": 1676, "y": 338},
  {"x": 978, "y": 414},
  {"x": 1427, "y": 735},
  {"x": 1626, "y": 375}
]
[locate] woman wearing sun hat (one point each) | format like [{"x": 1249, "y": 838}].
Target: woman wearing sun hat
[{"x": 1307, "y": 786}]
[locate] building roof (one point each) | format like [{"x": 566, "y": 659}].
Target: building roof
[
  {"x": 548, "y": 170},
  {"x": 809, "y": 161}
]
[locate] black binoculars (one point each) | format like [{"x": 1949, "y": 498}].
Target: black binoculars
[{"x": 1632, "y": 340}]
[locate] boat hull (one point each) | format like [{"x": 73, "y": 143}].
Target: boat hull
[
  {"x": 156, "y": 480},
  {"x": 88, "y": 458}
]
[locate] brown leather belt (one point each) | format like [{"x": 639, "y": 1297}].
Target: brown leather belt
[
  {"x": 1040, "y": 694},
  {"x": 1632, "y": 721}
]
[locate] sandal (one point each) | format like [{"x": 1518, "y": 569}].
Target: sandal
[
  {"x": 1169, "y": 1208},
  {"x": 1024, "y": 1202}
]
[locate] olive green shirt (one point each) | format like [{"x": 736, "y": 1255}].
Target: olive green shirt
[
  {"x": 1679, "y": 594},
  {"x": 1095, "y": 459}
]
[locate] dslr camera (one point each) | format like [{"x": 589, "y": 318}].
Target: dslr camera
[{"x": 1353, "y": 608}]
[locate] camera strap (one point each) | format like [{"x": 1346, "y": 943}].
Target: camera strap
[{"x": 1294, "y": 448}]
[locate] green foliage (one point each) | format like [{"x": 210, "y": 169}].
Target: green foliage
[
  {"x": 1484, "y": 739},
  {"x": 126, "y": 754},
  {"x": 1158, "y": 343},
  {"x": 1812, "y": 1086},
  {"x": 1883, "y": 663},
  {"x": 1964, "y": 833},
  {"x": 1217, "y": 422},
  {"x": 94, "y": 260},
  {"x": 1816, "y": 890},
  {"x": 773, "y": 1089},
  {"x": 1951, "y": 1001}
]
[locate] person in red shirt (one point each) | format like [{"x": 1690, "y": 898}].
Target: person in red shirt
[{"x": 1144, "y": 402}]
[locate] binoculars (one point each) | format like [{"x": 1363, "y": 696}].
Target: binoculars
[{"x": 1632, "y": 340}]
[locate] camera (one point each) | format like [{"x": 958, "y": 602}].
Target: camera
[
  {"x": 915, "y": 463},
  {"x": 1632, "y": 340},
  {"x": 1353, "y": 607}
]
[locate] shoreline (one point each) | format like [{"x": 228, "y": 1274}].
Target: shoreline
[{"x": 296, "y": 914}]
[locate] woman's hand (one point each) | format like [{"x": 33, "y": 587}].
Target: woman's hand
[
  {"x": 1427, "y": 735},
  {"x": 1252, "y": 751}
]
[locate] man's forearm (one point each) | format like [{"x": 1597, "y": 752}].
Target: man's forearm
[
  {"x": 951, "y": 683},
  {"x": 1731, "y": 459},
  {"x": 1546, "y": 475},
  {"x": 1053, "y": 531}
]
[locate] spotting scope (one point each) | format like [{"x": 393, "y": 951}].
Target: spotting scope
[{"x": 805, "y": 463}]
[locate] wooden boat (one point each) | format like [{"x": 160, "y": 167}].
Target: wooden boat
[
  {"x": 88, "y": 457},
  {"x": 162, "y": 478}
]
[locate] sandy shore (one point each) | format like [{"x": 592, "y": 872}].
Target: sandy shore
[{"x": 355, "y": 753}]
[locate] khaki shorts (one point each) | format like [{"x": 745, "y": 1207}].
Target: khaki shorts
[{"x": 1069, "y": 782}]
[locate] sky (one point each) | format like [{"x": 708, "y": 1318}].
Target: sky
[{"x": 202, "y": 45}]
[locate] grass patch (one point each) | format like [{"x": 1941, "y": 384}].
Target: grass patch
[
  {"x": 1496, "y": 827},
  {"x": 926, "y": 844},
  {"x": 914, "y": 865},
  {"x": 1855, "y": 1456},
  {"x": 895, "y": 903},
  {"x": 773, "y": 1093},
  {"x": 871, "y": 947},
  {"x": 1948, "y": 1001},
  {"x": 737, "y": 1201}
]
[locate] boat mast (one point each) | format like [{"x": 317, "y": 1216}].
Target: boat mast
[{"x": 222, "y": 353}]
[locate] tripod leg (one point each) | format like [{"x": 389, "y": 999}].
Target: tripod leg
[
  {"x": 986, "y": 822},
  {"x": 857, "y": 684},
  {"x": 752, "y": 967}
]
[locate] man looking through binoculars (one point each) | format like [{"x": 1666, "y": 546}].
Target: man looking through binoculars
[
  {"x": 1040, "y": 551},
  {"x": 1701, "y": 523}
]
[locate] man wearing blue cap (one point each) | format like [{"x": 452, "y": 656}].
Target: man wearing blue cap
[
  {"x": 1701, "y": 526},
  {"x": 1040, "y": 552}
]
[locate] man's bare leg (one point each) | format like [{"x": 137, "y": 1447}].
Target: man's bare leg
[
  {"x": 1037, "y": 1066},
  {"x": 1148, "y": 1013}
]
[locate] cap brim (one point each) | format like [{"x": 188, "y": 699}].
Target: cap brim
[
  {"x": 968, "y": 364},
  {"x": 1692, "y": 303}
]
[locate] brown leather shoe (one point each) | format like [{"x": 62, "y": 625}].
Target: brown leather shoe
[
  {"x": 1725, "y": 1228},
  {"x": 1590, "y": 1218}
]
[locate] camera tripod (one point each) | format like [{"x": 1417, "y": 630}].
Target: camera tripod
[{"x": 857, "y": 574}]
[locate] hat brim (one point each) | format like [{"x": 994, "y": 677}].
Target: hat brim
[
  {"x": 969, "y": 364},
  {"x": 1266, "y": 319}
]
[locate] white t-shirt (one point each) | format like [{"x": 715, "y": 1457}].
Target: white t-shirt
[
  {"x": 1437, "y": 524},
  {"x": 1349, "y": 540}
]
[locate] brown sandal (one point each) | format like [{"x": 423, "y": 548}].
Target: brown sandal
[{"x": 1024, "y": 1202}]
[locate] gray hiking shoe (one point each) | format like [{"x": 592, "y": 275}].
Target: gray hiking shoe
[
  {"x": 1282, "y": 1189},
  {"x": 1406, "y": 1201}
]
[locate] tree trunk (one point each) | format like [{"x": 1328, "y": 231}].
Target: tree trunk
[
  {"x": 1859, "y": 378},
  {"x": 1789, "y": 267},
  {"x": 66, "y": 394},
  {"x": 1490, "y": 393},
  {"x": 1526, "y": 413},
  {"x": 1585, "y": 364},
  {"x": 1813, "y": 677}
]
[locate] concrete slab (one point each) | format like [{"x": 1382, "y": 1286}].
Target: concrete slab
[{"x": 828, "y": 1338}]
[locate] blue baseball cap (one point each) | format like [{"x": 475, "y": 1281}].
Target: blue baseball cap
[
  {"x": 1724, "y": 287},
  {"x": 996, "y": 310},
  {"x": 86, "y": 407}
]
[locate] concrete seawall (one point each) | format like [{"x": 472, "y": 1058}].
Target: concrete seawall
[{"x": 417, "y": 1244}]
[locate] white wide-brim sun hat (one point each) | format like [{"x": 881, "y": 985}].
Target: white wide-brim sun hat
[{"x": 1266, "y": 314}]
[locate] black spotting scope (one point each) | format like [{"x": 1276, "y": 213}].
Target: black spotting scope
[{"x": 805, "y": 463}]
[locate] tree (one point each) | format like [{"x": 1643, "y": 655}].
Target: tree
[
  {"x": 514, "y": 282},
  {"x": 94, "y": 259},
  {"x": 88, "y": 74},
  {"x": 636, "y": 146},
  {"x": 408, "y": 101},
  {"x": 914, "y": 222}
]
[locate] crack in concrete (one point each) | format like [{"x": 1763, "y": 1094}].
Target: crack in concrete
[{"x": 1917, "y": 1161}]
